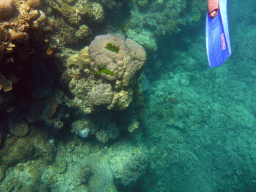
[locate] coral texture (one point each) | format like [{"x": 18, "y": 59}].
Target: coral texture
[
  {"x": 82, "y": 127},
  {"x": 110, "y": 132},
  {"x": 125, "y": 64},
  {"x": 73, "y": 18},
  {"x": 134, "y": 169},
  {"x": 103, "y": 95},
  {"x": 17, "y": 126},
  {"x": 6, "y": 8},
  {"x": 103, "y": 75},
  {"x": 160, "y": 17}
]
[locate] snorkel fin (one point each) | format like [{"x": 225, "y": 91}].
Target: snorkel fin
[{"x": 217, "y": 34}]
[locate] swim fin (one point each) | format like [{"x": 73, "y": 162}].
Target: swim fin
[{"x": 217, "y": 35}]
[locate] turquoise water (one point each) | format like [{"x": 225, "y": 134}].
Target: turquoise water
[{"x": 173, "y": 125}]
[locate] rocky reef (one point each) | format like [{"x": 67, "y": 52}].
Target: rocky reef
[{"x": 71, "y": 90}]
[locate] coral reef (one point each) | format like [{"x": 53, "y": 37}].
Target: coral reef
[
  {"x": 67, "y": 18},
  {"x": 22, "y": 149},
  {"x": 110, "y": 132},
  {"x": 91, "y": 86},
  {"x": 144, "y": 37},
  {"x": 134, "y": 125},
  {"x": 103, "y": 131},
  {"x": 82, "y": 127},
  {"x": 134, "y": 169},
  {"x": 125, "y": 64},
  {"x": 103, "y": 95},
  {"x": 128, "y": 162},
  {"x": 15, "y": 29},
  {"x": 160, "y": 17},
  {"x": 104, "y": 76},
  {"x": 102, "y": 176}
]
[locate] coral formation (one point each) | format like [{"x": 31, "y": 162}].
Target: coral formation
[
  {"x": 82, "y": 127},
  {"x": 110, "y": 132},
  {"x": 21, "y": 149},
  {"x": 17, "y": 126},
  {"x": 144, "y": 37},
  {"x": 118, "y": 71},
  {"x": 160, "y": 18},
  {"x": 134, "y": 169},
  {"x": 72, "y": 18},
  {"x": 34, "y": 3},
  {"x": 125, "y": 63},
  {"x": 134, "y": 125},
  {"x": 103, "y": 95},
  {"x": 128, "y": 162},
  {"x": 102, "y": 176},
  {"x": 6, "y": 8},
  {"x": 103, "y": 133}
]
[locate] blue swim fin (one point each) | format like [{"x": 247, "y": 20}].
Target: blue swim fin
[{"x": 217, "y": 36}]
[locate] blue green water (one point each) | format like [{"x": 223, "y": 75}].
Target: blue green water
[{"x": 200, "y": 122}]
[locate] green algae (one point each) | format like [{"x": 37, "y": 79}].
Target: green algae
[
  {"x": 105, "y": 71},
  {"x": 112, "y": 47}
]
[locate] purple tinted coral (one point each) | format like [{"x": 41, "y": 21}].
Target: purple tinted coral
[
  {"x": 124, "y": 57},
  {"x": 103, "y": 95}
]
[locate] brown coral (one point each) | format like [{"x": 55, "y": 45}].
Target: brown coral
[
  {"x": 34, "y": 3},
  {"x": 5, "y": 85},
  {"x": 6, "y": 8},
  {"x": 17, "y": 35}
]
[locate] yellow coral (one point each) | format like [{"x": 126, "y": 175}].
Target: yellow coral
[{"x": 133, "y": 126}]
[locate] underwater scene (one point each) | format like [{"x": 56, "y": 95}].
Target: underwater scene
[{"x": 127, "y": 96}]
